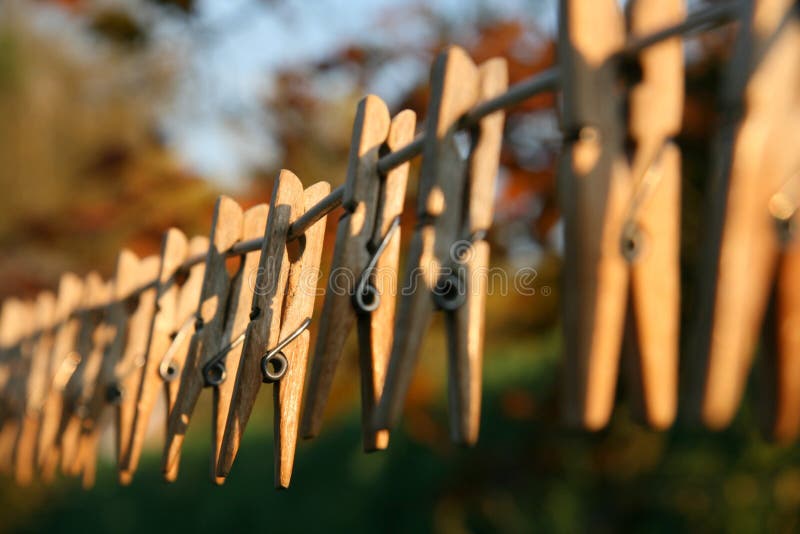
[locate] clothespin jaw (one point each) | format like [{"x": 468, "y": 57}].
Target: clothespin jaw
[
  {"x": 738, "y": 274},
  {"x": 209, "y": 338},
  {"x": 25, "y": 448},
  {"x": 275, "y": 347},
  {"x": 373, "y": 206},
  {"x": 172, "y": 325},
  {"x": 128, "y": 371},
  {"x": 63, "y": 361},
  {"x": 455, "y": 88}
]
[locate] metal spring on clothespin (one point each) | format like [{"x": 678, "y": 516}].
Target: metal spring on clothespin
[{"x": 274, "y": 363}]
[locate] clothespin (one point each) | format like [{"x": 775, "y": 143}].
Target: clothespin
[
  {"x": 367, "y": 248},
  {"x": 96, "y": 395},
  {"x": 751, "y": 250},
  {"x": 88, "y": 348},
  {"x": 15, "y": 349},
  {"x": 620, "y": 195},
  {"x": 73, "y": 345},
  {"x": 35, "y": 387},
  {"x": 222, "y": 316},
  {"x": 129, "y": 369},
  {"x": 91, "y": 346},
  {"x": 171, "y": 330},
  {"x": 61, "y": 364},
  {"x": 276, "y": 340},
  {"x": 448, "y": 250}
]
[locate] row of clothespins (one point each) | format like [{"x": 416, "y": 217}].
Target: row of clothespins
[
  {"x": 96, "y": 345},
  {"x": 98, "y": 348}
]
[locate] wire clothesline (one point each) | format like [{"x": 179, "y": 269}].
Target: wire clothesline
[{"x": 705, "y": 18}]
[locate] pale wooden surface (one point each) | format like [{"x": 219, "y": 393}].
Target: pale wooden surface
[
  {"x": 747, "y": 256},
  {"x": 371, "y": 207},
  {"x": 783, "y": 420},
  {"x": 454, "y": 90},
  {"x": 240, "y": 305},
  {"x": 128, "y": 370},
  {"x": 594, "y": 191},
  {"x": 174, "y": 251},
  {"x": 301, "y": 289},
  {"x": 64, "y": 359},
  {"x": 263, "y": 330},
  {"x": 654, "y": 317},
  {"x": 780, "y": 392},
  {"x": 89, "y": 349},
  {"x": 62, "y": 434},
  {"x": 226, "y": 230},
  {"x": 655, "y": 114},
  {"x": 350, "y": 255},
  {"x": 379, "y": 325},
  {"x": 466, "y": 325},
  {"x": 185, "y": 316},
  {"x": 16, "y": 350},
  {"x": 25, "y": 448},
  {"x": 126, "y": 280},
  {"x": 70, "y": 290},
  {"x": 170, "y": 334}
]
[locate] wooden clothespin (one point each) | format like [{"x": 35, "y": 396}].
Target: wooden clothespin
[
  {"x": 35, "y": 387},
  {"x": 15, "y": 357},
  {"x": 367, "y": 250},
  {"x": 91, "y": 346},
  {"x": 223, "y": 313},
  {"x": 448, "y": 250},
  {"x": 88, "y": 355},
  {"x": 129, "y": 369},
  {"x": 100, "y": 392},
  {"x": 620, "y": 194},
  {"x": 752, "y": 241},
  {"x": 61, "y": 364},
  {"x": 73, "y": 348},
  {"x": 170, "y": 333},
  {"x": 276, "y": 340}
]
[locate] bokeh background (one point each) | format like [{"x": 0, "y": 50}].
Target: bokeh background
[{"x": 120, "y": 118}]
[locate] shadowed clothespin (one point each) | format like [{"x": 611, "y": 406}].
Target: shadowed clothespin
[
  {"x": 448, "y": 256},
  {"x": 35, "y": 387},
  {"x": 276, "y": 340},
  {"x": 222, "y": 315},
  {"x": 92, "y": 342},
  {"x": 752, "y": 249},
  {"x": 100, "y": 393},
  {"x": 367, "y": 252},
  {"x": 178, "y": 292},
  {"x": 73, "y": 344},
  {"x": 619, "y": 187},
  {"x": 15, "y": 356},
  {"x": 128, "y": 370}
]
